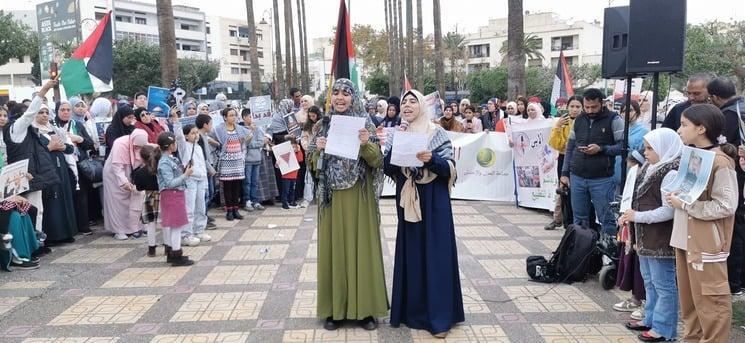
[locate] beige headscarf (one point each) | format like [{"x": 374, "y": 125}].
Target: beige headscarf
[{"x": 302, "y": 114}]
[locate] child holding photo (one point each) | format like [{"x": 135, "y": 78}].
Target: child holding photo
[{"x": 702, "y": 232}]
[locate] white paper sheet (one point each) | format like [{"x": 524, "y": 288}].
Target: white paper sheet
[
  {"x": 13, "y": 179},
  {"x": 285, "y": 156},
  {"x": 343, "y": 138},
  {"x": 405, "y": 147},
  {"x": 628, "y": 189}
]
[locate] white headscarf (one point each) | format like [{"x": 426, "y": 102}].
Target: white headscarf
[
  {"x": 538, "y": 108},
  {"x": 421, "y": 122},
  {"x": 666, "y": 143},
  {"x": 100, "y": 108}
]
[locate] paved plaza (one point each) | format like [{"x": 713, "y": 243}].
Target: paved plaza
[{"x": 255, "y": 282}]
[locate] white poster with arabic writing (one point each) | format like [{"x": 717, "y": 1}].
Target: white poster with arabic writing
[{"x": 535, "y": 164}]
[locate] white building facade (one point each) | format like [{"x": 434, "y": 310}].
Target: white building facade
[
  {"x": 581, "y": 41},
  {"x": 229, "y": 45}
]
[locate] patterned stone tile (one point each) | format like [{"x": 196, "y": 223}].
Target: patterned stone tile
[
  {"x": 538, "y": 231},
  {"x": 585, "y": 333},
  {"x": 221, "y": 222},
  {"x": 464, "y": 210},
  {"x": 146, "y": 277},
  {"x": 268, "y": 235},
  {"x": 312, "y": 251},
  {"x": 220, "y": 306},
  {"x": 279, "y": 221},
  {"x": 482, "y": 247},
  {"x": 223, "y": 337},
  {"x": 256, "y": 252},
  {"x": 464, "y": 333},
  {"x": 73, "y": 340},
  {"x": 504, "y": 268},
  {"x": 509, "y": 209},
  {"x": 8, "y": 303},
  {"x": 106, "y": 310},
  {"x": 279, "y": 211},
  {"x": 550, "y": 244},
  {"x": 470, "y": 219},
  {"x": 241, "y": 275},
  {"x": 108, "y": 239},
  {"x": 561, "y": 298},
  {"x": 472, "y": 302},
  {"x": 217, "y": 234},
  {"x": 309, "y": 273},
  {"x": 304, "y": 305},
  {"x": 102, "y": 256},
  {"x": 357, "y": 335},
  {"x": 527, "y": 219},
  {"x": 195, "y": 253},
  {"x": 485, "y": 231},
  {"x": 26, "y": 284}
]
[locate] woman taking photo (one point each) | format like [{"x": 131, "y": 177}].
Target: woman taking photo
[{"x": 426, "y": 282}]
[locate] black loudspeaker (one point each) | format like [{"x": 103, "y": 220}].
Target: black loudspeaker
[
  {"x": 615, "y": 41},
  {"x": 656, "y": 36}
]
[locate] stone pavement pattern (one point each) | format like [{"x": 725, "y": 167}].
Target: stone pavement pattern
[{"x": 255, "y": 282}]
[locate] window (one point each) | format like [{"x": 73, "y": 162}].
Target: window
[
  {"x": 243, "y": 31},
  {"x": 478, "y": 51},
  {"x": 208, "y": 30},
  {"x": 244, "y": 70},
  {"x": 233, "y": 33},
  {"x": 261, "y": 54},
  {"x": 100, "y": 16},
  {"x": 209, "y": 49},
  {"x": 540, "y": 43},
  {"x": 571, "y": 60},
  {"x": 235, "y": 71},
  {"x": 259, "y": 37},
  {"x": 141, "y": 21},
  {"x": 477, "y": 67},
  {"x": 563, "y": 43},
  {"x": 534, "y": 62},
  {"x": 124, "y": 19},
  {"x": 233, "y": 52}
]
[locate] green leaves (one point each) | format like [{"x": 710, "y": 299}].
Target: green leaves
[{"x": 15, "y": 39}]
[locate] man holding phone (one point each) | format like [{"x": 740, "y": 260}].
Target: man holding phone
[{"x": 594, "y": 141}]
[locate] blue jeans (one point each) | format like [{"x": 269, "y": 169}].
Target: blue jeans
[
  {"x": 209, "y": 194},
  {"x": 251, "y": 183},
  {"x": 661, "y": 311},
  {"x": 288, "y": 192},
  {"x": 593, "y": 192}
]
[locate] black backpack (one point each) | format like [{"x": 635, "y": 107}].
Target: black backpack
[
  {"x": 143, "y": 179},
  {"x": 573, "y": 259}
]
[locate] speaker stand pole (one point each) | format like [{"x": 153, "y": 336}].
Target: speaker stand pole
[
  {"x": 655, "y": 88},
  {"x": 625, "y": 149}
]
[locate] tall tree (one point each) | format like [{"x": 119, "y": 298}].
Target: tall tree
[
  {"x": 289, "y": 43},
  {"x": 419, "y": 47},
  {"x": 409, "y": 39},
  {"x": 279, "y": 77},
  {"x": 300, "y": 42},
  {"x": 306, "y": 75},
  {"x": 453, "y": 45},
  {"x": 389, "y": 35},
  {"x": 530, "y": 47},
  {"x": 402, "y": 52},
  {"x": 253, "y": 50},
  {"x": 167, "y": 34},
  {"x": 396, "y": 62},
  {"x": 515, "y": 54},
  {"x": 439, "y": 57}
]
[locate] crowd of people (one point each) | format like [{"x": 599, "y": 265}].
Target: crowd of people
[{"x": 148, "y": 167}]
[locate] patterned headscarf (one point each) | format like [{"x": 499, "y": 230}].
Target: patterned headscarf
[
  {"x": 340, "y": 173},
  {"x": 278, "y": 123}
]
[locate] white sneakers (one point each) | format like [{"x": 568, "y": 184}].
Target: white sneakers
[
  {"x": 121, "y": 237},
  {"x": 249, "y": 207},
  {"x": 303, "y": 204},
  {"x": 203, "y": 237},
  {"x": 190, "y": 241}
]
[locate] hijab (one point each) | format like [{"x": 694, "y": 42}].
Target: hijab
[
  {"x": 302, "y": 114},
  {"x": 74, "y": 101},
  {"x": 44, "y": 129},
  {"x": 278, "y": 123},
  {"x": 100, "y": 108},
  {"x": 117, "y": 127},
  {"x": 123, "y": 150},
  {"x": 199, "y": 107},
  {"x": 666, "y": 143},
  {"x": 513, "y": 105},
  {"x": 421, "y": 123},
  {"x": 538, "y": 108}
]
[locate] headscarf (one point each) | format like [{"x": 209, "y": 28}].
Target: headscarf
[
  {"x": 302, "y": 114},
  {"x": 383, "y": 103},
  {"x": 514, "y": 105},
  {"x": 666, "y": 143},
  {"x": 117, "y": 127},
  {"x": 123, "y": 151},
  {"x": 74, "y": 101},
  {"x": 44, "y": 129},
  {"x": 278, "y": 123},
  {"x": 152, "y": 128},
  {"x": 340, "y": 173},
  {"x": 100, "y": 108},
  {"x": 538, "y": 108},
  {"x": 199, "y": 107},
  {"x": 421, "y": 123}
]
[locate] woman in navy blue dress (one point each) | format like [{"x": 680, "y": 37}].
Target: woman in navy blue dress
[{"x": 426, "y": 282}]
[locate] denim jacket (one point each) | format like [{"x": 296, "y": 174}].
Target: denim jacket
[{"x": 170, "y": 173}]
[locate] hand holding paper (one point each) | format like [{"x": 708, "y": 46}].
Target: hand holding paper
[
  {"x": 344, "y": 137},
  {"x": 407, "y": 147}
]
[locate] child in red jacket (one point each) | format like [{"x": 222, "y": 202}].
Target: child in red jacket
[{"x": 288, "y": 182}]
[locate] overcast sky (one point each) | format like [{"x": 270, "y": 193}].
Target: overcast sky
[{"x": 467, "y": 15}]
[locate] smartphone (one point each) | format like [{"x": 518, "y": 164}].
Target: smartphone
[{"x": 582, "y": 147}]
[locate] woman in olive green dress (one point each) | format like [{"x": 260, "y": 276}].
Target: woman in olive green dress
[{"x": 351, "y": 280}]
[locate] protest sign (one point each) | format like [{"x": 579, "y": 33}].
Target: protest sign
[
  {"x": 293, "y": 126},
  {"x": 261, "y": 110},
  {"x": 433, "y": 106},
  {"x": 535, "y": 164},
  {"x": 14, "y": 179},
  {"x": 693, "y": 174},
  {"x": 285, "y": 156},
  {"x": 157, "y": 98}
]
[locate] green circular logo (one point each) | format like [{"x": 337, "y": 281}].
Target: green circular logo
[{"x": 486, "y": 157}]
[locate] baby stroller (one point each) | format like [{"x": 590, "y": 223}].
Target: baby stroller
[{"x": 608, "y": 248}]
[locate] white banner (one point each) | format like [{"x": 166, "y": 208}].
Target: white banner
[{"x": 535, "y": 164}]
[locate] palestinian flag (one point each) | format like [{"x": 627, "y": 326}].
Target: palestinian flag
[
  {"x": 344, "y": 64},
  {"x": 562, "y": 81},
  {"x": 91, "y": 67}
]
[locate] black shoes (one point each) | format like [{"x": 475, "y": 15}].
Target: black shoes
[
  {"x": 331, "y": 324},
  {"x": 230, "y": 216},
  {"x": 237, "y": 215},
  {"x": 151, "y": 251},
  {"x": 179, "y": 260},
  {"x": 369, "y": 323},
  {"x": 636, "y": 326},
  {"x": 25, "y": 265}
]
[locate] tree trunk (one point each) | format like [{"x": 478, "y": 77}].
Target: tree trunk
[
  {"x": 439, "y": 58},
  {"x": 300, "y": 42},
  {"x": 515, "y": 55},
  {"x": 401, "y": 51},
  {"x": 419, "y": 48},
  {"x": 167, "y": 37},
  {"x": 306, "y": 74},
  {"x": 390, "y": 47},
  {"x": 292, "y": 47},
  {"x": 396, "y": 61},
  {"x": 409, "y": 39},
  {"x": 279, "y": 76},
  {"x": 253, "y": 50},
  {"x": 289, "y": 82}
]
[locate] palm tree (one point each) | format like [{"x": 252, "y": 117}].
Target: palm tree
[
  {"x": 530, "y": 46},
  {"x": 515, "y": 53},
  {"x": 167, "y": 38},
  {"x": 391, "y": 56},
  {"x": 409, "y": 39},
  {"x": 439, "y": 59},
  {"x": 396, "y": 62},
  {"x": 289, "y": 71},
  {"x": 300, "y": 41},
  {"x": 402, "y": 52},
  {"x": 454, "y": 43},
  {"x": 279, "y": 78},
  {"x": 253, "y": 50},
  {"x": 305, "y": 76},
  {"x": 419, "y": 48}
]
